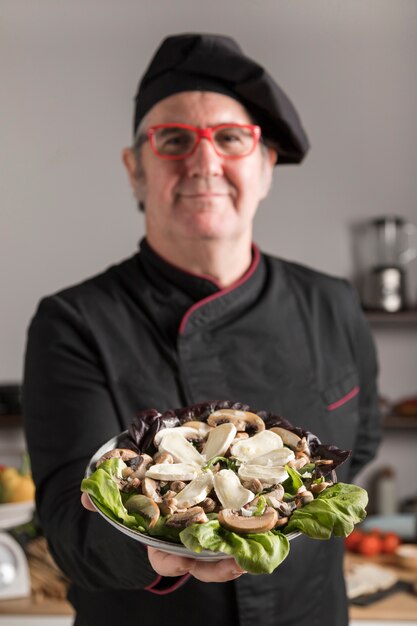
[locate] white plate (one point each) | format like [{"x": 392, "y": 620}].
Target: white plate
[
  {"x": 153, "y": 542},
  {"x": 15, "y": 513}
]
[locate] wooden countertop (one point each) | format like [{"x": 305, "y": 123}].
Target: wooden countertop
[
  {"x": 397, "y": 607},
  {"x": 30, "y": 606}
]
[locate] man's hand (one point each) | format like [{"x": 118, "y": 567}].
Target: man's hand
[
  {"x": 167, "y": 564},
  {"x": 86, "y": 502}
]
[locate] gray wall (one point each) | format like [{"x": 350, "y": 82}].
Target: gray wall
[{"x": 69, "y": 71}]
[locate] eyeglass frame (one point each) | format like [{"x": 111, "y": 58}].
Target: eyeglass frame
[{"x": 202, "y": 133}]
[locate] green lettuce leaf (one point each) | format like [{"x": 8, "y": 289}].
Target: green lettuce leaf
[
  {"x": 258, "y": 553},
  {"x": 293, "y": 482},
  {"x": 335, "y": 511},
  {"x": 101, "y": 486}
]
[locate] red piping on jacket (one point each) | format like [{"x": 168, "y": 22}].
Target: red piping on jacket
[
  {"x": 222, "y": 292},
  {"x": 163, "y": 592},
  {"x": 335, "y": 405}
]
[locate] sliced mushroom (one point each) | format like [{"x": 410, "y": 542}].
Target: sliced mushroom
[
  {"x": 182, "y": 450},
  {"x": 195, "y": 515},
  {"x": 163, "y": 457},
  {"x": 303, "y": 497},
  {"x": 208, "y": 505},
  {"x": 144, "y": 506},
  {"x": 173, "y": 471},
  {"x": 284, "y": 509},
  {"x": 219, "y": 440},
  {"x": 243, "y": 420},
  {"x": 275, "y": 496},
  {"x": 151, "y": 490},
  {"x": 317, "y": 488},
  {"x": 299, "y": 444},
  {"x": 253, "y": 484},
  {"x": 281, "y": 456},
  {"x": 177, "y": 485},
  {"x": 188, "y": 433},
  {"x": 118, "y": 453},
  {"x": 267, "y": 475},
  {"x": 230, "y": 491},
  {"x": 129, "y": 484},
  {"x": 168, "y": 506},
  {"x": 196, "y": 491},
  {"x": 263, "y": 443},
  {"x": 239, "y": 436},
  {"x": 298, "y": 463},
  {"x": 254, "y": 524},
  {"x": 137, "y": 466}
]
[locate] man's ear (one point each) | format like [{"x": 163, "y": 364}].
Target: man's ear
[
  {"x": 270, "y": 158},
  {"x": 130, "y": 162}
]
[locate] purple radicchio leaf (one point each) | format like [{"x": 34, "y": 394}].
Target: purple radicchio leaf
[{"x": 148, "y": 422}]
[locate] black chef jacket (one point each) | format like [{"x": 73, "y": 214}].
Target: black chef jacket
[{"x": 144, "y": 334}]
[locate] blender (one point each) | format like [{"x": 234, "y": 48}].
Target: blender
[{"x": 389, "y": 246}]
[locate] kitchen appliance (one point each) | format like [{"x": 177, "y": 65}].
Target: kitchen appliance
[
  {"x": 387, "y": 245},
  {"x": 14, "y": 571}
]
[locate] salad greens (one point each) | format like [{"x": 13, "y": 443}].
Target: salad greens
[
  {"x": 258, "y": 553},
  {"x": 334, "y": 511}
]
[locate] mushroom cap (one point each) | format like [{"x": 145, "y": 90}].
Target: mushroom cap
[
  {"x": 291, "y": 439},
  {"x": 144, "y": 506},
  {"x": 150, "y": 489},
  {"x": 254, "y": 524},
  {"x": 243, "y": 420},
  {"x": 195, "y": 515},
  {"x": 119, "y": 453}
]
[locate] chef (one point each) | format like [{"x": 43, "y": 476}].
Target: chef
[{"x": 198, "y": 313}]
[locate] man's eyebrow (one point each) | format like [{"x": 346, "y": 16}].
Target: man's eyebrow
[{"x": 170, "y": 129}]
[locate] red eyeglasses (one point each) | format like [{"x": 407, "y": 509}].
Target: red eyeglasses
[{"x": 179, "y": 141}]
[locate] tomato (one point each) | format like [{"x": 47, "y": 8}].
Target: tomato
[
  {"x": 390, "y": 542},
  {"x": 353, "y": 540},
  {"x": 370, "y": 545}
]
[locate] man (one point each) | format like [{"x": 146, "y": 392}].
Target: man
[{"x": 198, "y": 314}]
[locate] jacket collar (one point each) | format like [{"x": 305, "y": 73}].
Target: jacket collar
[{"x": 203, "y": 300}]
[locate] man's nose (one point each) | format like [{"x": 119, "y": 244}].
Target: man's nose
[{"x": 204, "y": 161}]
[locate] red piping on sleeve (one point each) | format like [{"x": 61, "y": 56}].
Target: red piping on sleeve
[
  {"x": 335, "y": 405},
  {"x": 222, "y": 292},
  {"x": 164, "y": 592}
]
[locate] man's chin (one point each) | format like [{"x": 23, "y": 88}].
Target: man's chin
[{"x": 208, "y": 226}]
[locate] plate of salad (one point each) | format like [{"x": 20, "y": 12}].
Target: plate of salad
[{"x": 218, "y": 480}]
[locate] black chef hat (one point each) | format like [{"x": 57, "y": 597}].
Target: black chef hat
[{"x": 199, "y": 62}]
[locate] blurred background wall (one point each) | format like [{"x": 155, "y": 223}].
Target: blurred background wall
[{"x": 69, "y": 71}]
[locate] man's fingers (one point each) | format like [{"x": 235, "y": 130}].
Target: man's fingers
[
  {"x": 167, "y": 564},
  {"x": 216, "y": 572},
  {"x": 86, "y": 502}
]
